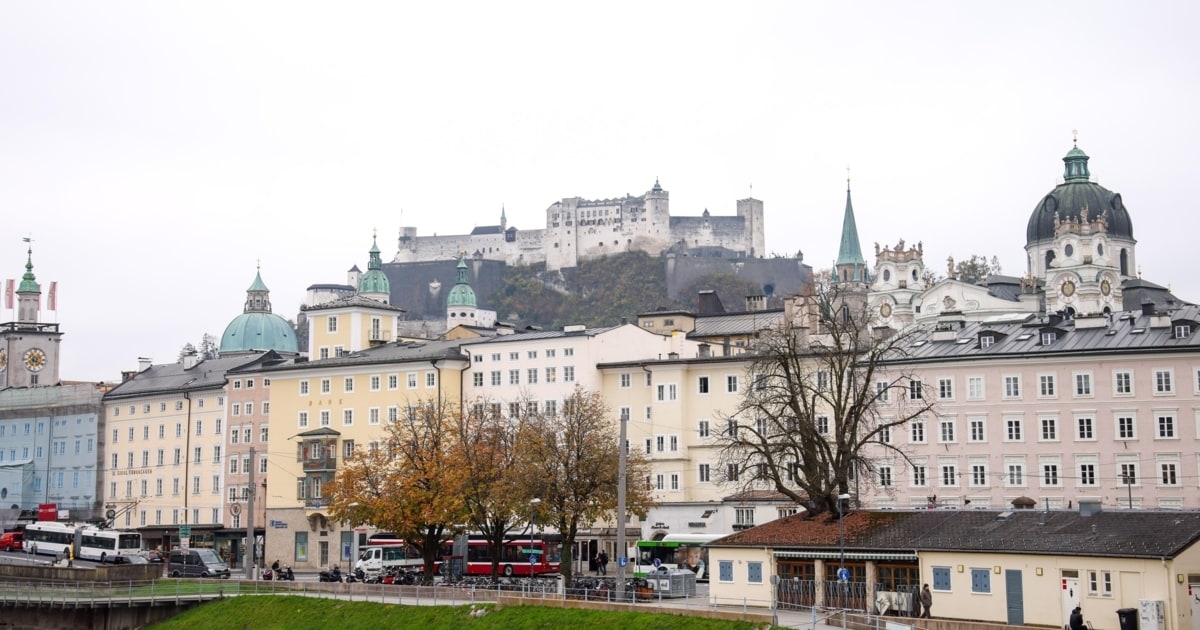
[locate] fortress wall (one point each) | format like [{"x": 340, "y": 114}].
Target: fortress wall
[{"x": 727, "y": 232}]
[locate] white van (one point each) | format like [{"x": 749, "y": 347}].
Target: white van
[{"x": 377, "y": 558}]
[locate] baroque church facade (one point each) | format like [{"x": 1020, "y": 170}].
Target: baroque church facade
[
  {"x": 1081, "y": 260},
  {"x": 582, "y": 229}
]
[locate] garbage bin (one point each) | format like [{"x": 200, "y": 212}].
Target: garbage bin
[{"x": 1128, "y": 617}]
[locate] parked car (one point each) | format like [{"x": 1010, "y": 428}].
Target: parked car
[
  {"x": 131, "y": 560},
  {"x": 12, "y": 541},
  {"x": 154, "y": 556}
]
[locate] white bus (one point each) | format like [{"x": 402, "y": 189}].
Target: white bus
[
  {"x": 674, "y": 551},
  {"x": 85, "y": 541}
]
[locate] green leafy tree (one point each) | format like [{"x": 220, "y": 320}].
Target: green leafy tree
[{"x": 570, "y": 461}]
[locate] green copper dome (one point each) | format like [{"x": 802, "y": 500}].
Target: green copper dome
[
  {"x": 257, "y": 328},
  {"x": 1078, "y": 199},
  {"x": 28, "y": 281},
  {"x": 462, "y": 294},
  {"x": 374, "y": 281}
]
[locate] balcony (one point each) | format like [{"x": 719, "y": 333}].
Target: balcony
[{"x": 324, "y": 463}]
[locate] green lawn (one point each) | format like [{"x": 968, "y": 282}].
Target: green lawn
[{"x": 299, "y": 613}]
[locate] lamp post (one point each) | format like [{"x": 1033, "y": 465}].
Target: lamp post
[
  {"x": 842, "y": 498},
  {"x": 533, "y": 503},
  {"x": 353, "y": 505}
]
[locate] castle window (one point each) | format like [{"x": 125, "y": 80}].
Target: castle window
[{"x": 887, "y": 275}]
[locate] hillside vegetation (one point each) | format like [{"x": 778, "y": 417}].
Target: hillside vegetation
[
  {"x": 266, "y": 612},
  {"x": 601, "y": 292}
]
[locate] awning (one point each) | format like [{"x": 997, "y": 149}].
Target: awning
[{"x": 849, "y": 555}]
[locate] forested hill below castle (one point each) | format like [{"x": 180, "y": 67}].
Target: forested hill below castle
[{"x": 597, "y": 292}]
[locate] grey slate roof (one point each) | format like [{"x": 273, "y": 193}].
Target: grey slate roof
[
  {"x": 541, "y": 334},
  {"x": 486, "y": 229},
  {"x": 399, "y": 352},
  {"x": 353, "y": 300},
  {"x": 1128, "y": 331},
  {"x": 172, "y": 377},
  {"x": 736, "y": 323},
  {"x": 1123, "y": 533}
]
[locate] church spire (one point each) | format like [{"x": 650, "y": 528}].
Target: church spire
[
  {"x": 29, "y": 293},
  {"x": 1076, "y": 162},
  {"x": 850, "y": 266},
  {"x": 258, "y": 296},
  {"x": 374, "y": 284}
]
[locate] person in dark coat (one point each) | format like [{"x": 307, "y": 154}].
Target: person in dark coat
[
  {"x": 926, "y": 603},
  {"x": 1077, "y": 619}
]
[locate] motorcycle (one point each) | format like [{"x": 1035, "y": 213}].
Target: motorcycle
[
  {"x": 358, "y": 575},
  {"x": 286, "y": 574},
  {"x": 334, "y": 575},
  {"x": 267, "y": 575}
]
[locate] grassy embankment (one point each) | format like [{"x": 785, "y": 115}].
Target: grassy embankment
[{"x": 301, "y": 613}]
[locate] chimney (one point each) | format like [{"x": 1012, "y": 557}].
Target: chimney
[
  {"x": 144, "y": 364},
  {"x": 1055, "y": 318},
  {"x": 755, "y": 303},
  {"x": 705, "y": 350}
]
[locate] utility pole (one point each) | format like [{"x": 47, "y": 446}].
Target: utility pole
[
  {"x": 250, "y": 520},
  {"x": 622, "y": 550}
]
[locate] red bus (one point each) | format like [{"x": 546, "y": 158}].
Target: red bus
[{"x": 514, "y": 559}]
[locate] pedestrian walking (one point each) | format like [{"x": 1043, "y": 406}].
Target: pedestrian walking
[
  {"x": 926, "y": 603},
  {"x": 603, "y": 563}
]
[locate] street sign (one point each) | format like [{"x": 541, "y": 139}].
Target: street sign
[
  {"x": 657, "y": 563},
  {"x": 185, "y": 531},
  {"x": 843, "y": 574},
  {"x": 622, "y": 561},
  {"x": 533, "y": 559}
]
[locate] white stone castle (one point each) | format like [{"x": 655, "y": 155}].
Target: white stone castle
[{"x": 582, "y": 229}]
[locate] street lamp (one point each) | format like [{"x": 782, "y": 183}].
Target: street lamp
[
  {"x": 533, "y": 503},
  {"x": 842, "y": 498}
]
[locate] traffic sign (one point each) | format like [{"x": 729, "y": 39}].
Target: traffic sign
[
  {"x": 657, "y": 563},
  {"x": 185, "y": 531},
  {"x": 843, "y": 574},
  {"x": 622, "y": 561},
  {"x": 533, "y": 559}
]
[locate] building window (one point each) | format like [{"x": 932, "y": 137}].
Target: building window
[
  {"x": 1168, "y": 474},
  {"x": 1012, "y": 386},
  {"x": 705, "y": 473},
  {"x": 1126, "y": 428},
  {"x": 332, "y": 324},
  {"x": 1123, "y": 383},
  {"x": 979, "y": 475},
  {"x": 885, "y": 476},
  {"x": 754, "y": 573},
  {"x": 945, "y": 388},
  {"x": 1087, "y": 474},
  {"x": 725, "y": 568},
  {"x": 731, "y": 384},
  {"x": 702, "y": 385},
  {"x": 882, "y": 391},
  {"x": 1083, "y": 384},
  {"x": 1050, "y": 475},
  {"x": 1049, "y": 429},
  {"x": 941, "y": 578},
  {"x": 1166, "y": 426},
  {"x": 918, "y": 476},
  {"x": 986, "y": 341},
  {"x": 981, "y": 580},
  {"x": 1046, "y": 386},
  {"x": 1049, "y": 338},
  {"x": 915, "y": 390},
  {"x": 1163, "y": 382},
  {"x": 626, "y": 380},
  {"x": 917, "y": 431},
  {"x": 551, "y": 375},
  {"x": 1086, "y": 431},
  {"x": 703, "y": 431},
  {"x": 743, "y": 517},
  {"x": 949, "y": 475},
  {"x": 1012, "y": 428},
  {"x": 978, "y": 432},
  {"x": 569, "y": 374},
  {"x": 946, "y": 430},
  {"x": 532, "y": 376}
]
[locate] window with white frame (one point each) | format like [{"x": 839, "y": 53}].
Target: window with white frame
[
  {"x": 883, "y": 391},
  {"x": 1127, "y": 471},
  {"x": 915, "y": 390},
  {"x": 1083, "y": 384},
  {"x": 975, "y": 387},
  {"x": 431, "y": 379},
  {"x": 1013, "y": 429},
  {"x": 1164, "y": 382},
  {"x": 946, "y": 432},
  {"x": 1166, "y": 425},
  {"x": 411, "y": 380},
  {"x": 1046, "y": 388},
  {"x": 1126, "y": 428},
  {"x": 731, "y": 384},
  {"x": 702, "y": 385},
  {"x": 978, "y": 468},
  {"x": 326, "y": 386},
  {"x": 331, "y": 325},
  {"x": 348, "y": 384},
  {"x": 885, "y": 476},
  {"x": 1168, "y": 470},
  {"x": 703, "y": 430},
  {"x": 1085, "y": 428},
  {"x": 743, "y": 517},
  {"x": 393, "y": 382},
  {"x": 1123, "y": 383},
  {"x": 916, "y": 431},
  {"x": 918, "y": 478},
  {"x": 705, "y": 473},
  {"x": 1050, "y": 474},
  {"x": 1086, "y": 473},
  {"x": 949, "y": 474},
  {"x": 945, "y": 388},
  {"x": 626, "y": 380},
  {"x": 1014, "y": 473},
  {"x": 823, "y": 425},
  {"x": 1012, "y": 386},
  {"x": 977, "y": 429},
  {"x": 1049, "y": 429}
]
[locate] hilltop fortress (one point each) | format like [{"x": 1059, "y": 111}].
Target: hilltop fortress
[{"x": 582, "y": 229}]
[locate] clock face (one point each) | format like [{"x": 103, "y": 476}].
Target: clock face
[
  {"x": 1105, "y": 287},
  {"x": 1068, "y": 288},
  {"x": 35, "y": 360},
  {"x": 886, "y": 309}
]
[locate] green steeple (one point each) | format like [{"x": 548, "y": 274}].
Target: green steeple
[
  {"x": 375, "y": 281},
  {"x": 462, "y": 294},
  {"x": 851, "y": 267},
  {"x": 28, "y": 281},
  {"x": 1076, "y": 163},
  {"x": 258, "y": 296}
]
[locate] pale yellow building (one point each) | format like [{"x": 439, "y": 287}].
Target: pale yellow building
[{"x": 321, "y": 411}]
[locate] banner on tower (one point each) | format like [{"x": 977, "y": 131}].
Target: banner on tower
[
  {"x": 52, "y": 298},
  {"x": 8, "y": 293}
]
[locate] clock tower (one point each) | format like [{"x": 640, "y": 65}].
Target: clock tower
[{"x": 29, "y": 349}]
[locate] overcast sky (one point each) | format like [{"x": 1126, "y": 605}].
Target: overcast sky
[{"x": 156, "y": 150}]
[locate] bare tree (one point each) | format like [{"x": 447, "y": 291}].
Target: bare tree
[
  {"x": 824, "y": 390},
  {"x": 570, "y": 461}
]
